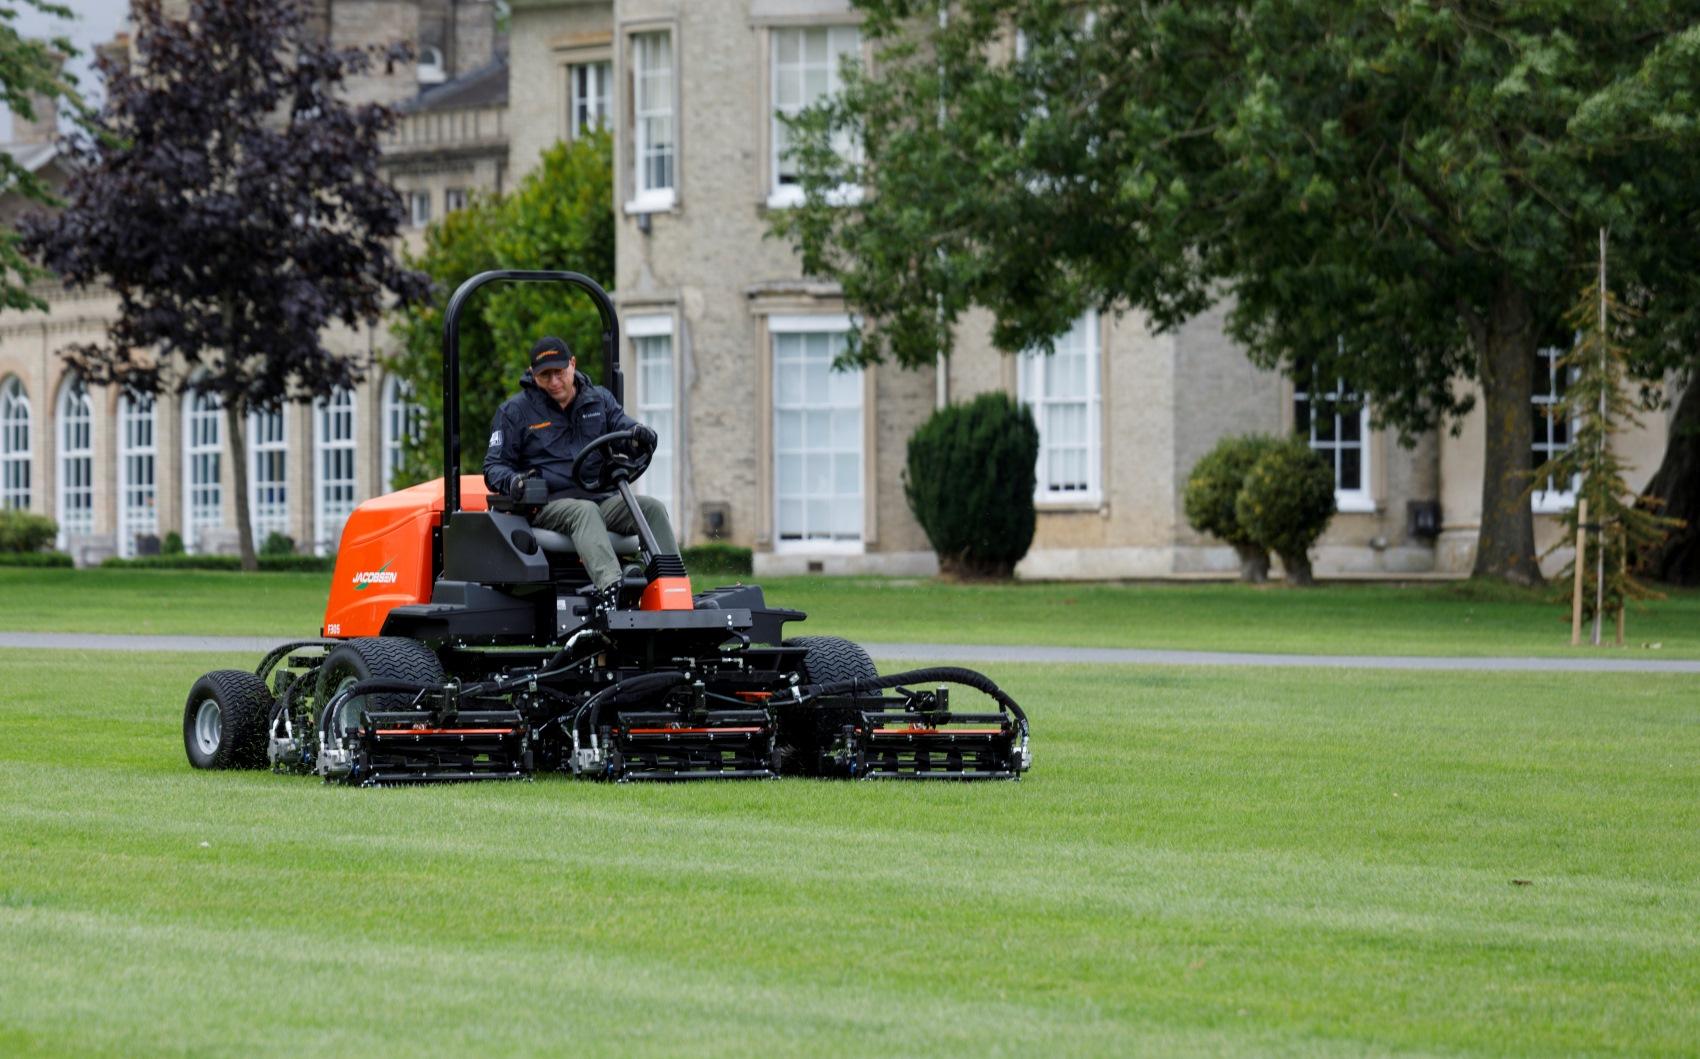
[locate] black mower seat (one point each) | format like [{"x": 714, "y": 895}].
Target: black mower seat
[{"x": 561, "y": 544}]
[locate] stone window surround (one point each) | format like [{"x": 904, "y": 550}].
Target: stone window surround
[
  {"x": 582, "y": 50},
  {"x": 1372, "y": 499},
  {"x": 768, "y": 194},
  {"x": 622, "y": 110},
  {"x": 766, "y": 309}
]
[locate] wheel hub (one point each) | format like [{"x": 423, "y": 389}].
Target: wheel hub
[{"x": 209, "y": 726}]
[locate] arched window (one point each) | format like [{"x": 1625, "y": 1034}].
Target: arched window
[
  {"x": 203, "y": 453},
  {"x": 333, "y": 456},
  {"x": 16, "y": 444},
  {"x": 138, "y": 490},
  {"x": 401, "y": 422},
  {"x": 76, "y": 460},
  {"x": 268, "y": 473}
]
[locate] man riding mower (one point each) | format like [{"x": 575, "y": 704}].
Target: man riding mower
[{"x": 466, "y": 639}]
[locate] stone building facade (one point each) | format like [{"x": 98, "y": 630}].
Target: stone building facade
[
  {"x": 729, "y": 342},
  {"x": 727, "y": 345},
  {"x": 118, "y": 475}
]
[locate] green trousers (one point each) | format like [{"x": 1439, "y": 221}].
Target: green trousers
[{"x": 588, "y": 523}]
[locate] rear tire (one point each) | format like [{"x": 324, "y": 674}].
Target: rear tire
[
  {"x": 805, "y": 733},
  {"x": 375, "y": 657},
  {"x": 224, "y": 721},
  {"x": 833, "y": 658}
]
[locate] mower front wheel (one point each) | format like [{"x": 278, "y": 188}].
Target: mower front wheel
[
  {"x": 377, "y": 657},
  {"x": 224, "y": 721}
]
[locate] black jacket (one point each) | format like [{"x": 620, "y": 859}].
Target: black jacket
[{"x": 531, "y": 432}]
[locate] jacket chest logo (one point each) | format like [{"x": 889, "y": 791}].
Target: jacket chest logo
[{"x": 540, "y": 426}]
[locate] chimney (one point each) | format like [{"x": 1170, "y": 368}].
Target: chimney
[{"x": 44, "y": 127}]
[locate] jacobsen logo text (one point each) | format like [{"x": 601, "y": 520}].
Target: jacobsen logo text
[{"x": 383, "y": 575}]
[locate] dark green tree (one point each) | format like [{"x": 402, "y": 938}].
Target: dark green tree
[
  {"x": 561, "y": 216},
  {"x": 1404, "y": 195},
  {"x": 231, "y": 197},
  {"x": 30, "y": 72}
]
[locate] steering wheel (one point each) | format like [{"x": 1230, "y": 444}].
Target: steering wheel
[{"x": 625, "y": 462}]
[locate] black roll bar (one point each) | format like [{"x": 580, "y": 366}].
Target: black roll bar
[{"x": 451, "y": 358}]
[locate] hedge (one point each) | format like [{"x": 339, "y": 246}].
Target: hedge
[
  {"x": 718, "y": 557},
  {"x": 34, "y": 559},
  {"x": 307, "y": 564}
]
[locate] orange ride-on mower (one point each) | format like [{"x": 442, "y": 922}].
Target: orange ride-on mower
[{"x": 462, "y": 643}]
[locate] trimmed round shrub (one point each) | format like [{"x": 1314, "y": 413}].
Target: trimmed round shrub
[
  {"x": 1213, "y": 489},
  {"x": 172, "y": 545},
  {"x": 969, "y": 481},
  {"x": 1286, "y": 502},
  {"x": 278, "y": 544},
  {"x": 25, "y": 531}
]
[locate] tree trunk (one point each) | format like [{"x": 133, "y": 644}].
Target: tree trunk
[
  {"x": 233, "y": 424},
  {"x": 1298, "y": 569},
  {"x": 1254, "y": 563},
  {"x": 1506, "y": 343},
  {"x": 1676, "y": 485}
]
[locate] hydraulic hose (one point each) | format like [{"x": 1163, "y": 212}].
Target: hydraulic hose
[
  {"x": 935, "y": 675},
  {"x": 275, "y": 655},
  {"x": 642, "y": 684}
]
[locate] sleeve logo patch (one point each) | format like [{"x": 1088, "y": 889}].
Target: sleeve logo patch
[{"x": 496, "y": 439}]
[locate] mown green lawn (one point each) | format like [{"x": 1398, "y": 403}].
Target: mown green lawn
[
  {"x": 1313, "y": 862},
  {"x": 1422, "y": 619}
]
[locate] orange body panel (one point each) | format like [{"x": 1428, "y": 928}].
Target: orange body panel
[
  {"x": 667, "y": 593},
  {"x": 384, "y": 558}
]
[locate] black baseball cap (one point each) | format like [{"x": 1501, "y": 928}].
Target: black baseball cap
[{"x": 550, "y": 352}]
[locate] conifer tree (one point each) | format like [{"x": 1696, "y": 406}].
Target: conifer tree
[{"x": 1598, "y": 405}]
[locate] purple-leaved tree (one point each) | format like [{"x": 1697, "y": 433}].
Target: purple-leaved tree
[{"x": 231, "y": 196}]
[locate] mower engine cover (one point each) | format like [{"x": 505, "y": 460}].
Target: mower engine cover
[{"x": 384, "y": 560}]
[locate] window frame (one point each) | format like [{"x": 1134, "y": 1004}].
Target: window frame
[
  {"x": 260, "y": 525},
  {"x": 83, "y": 523},
  {"x": 779, "y": 195},
  {"x": 134, "y": 520},
  {"x": 599, "y": 67},
  {"x": 402, "y": 417},
  {"x": 17, "y": 421},
  {"x": 419, "y": 207},
  {"x": 1552, "y": 501},
  {"x": 1359, "y": 501},
  {"x": 325, "y": 447},
  {"x": 1029, "y": 378},
  {"x": 641, "y": 328},
  {"x": 193, "y": 451},
  {"x": 642, "y": 198},
  {"x": 813, "y": 323}
]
